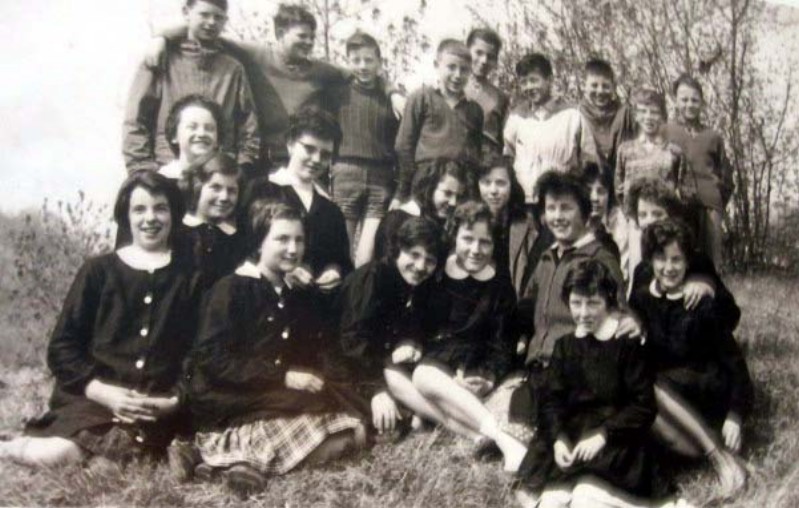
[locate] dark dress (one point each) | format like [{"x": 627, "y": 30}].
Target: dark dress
[
  {"x": 594, "y": 385},
  {"x": 378, "y": 310},
  {"x": 122, "y": 326},
  {"x": 468, "y": 323},
  {"x": 210, "y": 250},
  {"x": 695, "y": 354}
]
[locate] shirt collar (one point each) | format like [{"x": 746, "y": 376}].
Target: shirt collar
[
  {"x": 411, "y": 207},
  {"x": 438, "y": 90},
  {"x": 606, "y": 330},
  {"x": 138, "y": 260},
  {"x": 455, "y": 271},
  {"x": 584, "y": 240},
  {"x": 654, "y": 289},
  {"x": 284, "y": 177},
  {"x": 193, "y": 221}
]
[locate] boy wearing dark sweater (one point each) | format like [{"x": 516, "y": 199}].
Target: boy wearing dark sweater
[{"x": 439, "y": 122}]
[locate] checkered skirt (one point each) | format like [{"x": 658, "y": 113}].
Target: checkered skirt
[{"x": 274, "y": 446}]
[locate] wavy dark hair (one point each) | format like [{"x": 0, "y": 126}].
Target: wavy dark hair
[
  {"x": 515, "y": 206},
  {"x": 591, "y": 277},
  {"x": 218, "y": 163},
  {"x": 261, "y": 215},
  {"x": 417, "y": 231},
  {"x": 173, "y": 118},
  {"x": 155, "y": 184},
  {"x": 428, "y": 176},
  {"x": 657, "y": 236},
  {"x": 563, "y": 184}
]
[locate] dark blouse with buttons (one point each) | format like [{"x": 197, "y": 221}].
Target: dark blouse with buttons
[
  {"x": 122, "y": 326},
  {"x": 210, "y": 251},
  {"x": 249, "y": 337},
  {"x": 378, "y": 310}
]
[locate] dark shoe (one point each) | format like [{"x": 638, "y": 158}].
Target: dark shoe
[
  {"x": 244, "y": 480},
  {"x": 486, "y": 450},
  {"x": 183, "y": 457}
]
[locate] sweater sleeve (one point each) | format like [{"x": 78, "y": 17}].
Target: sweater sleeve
[
  {"x": 248, "y": 137},
  {"x": 141, "y": 115},
  {"x": 554, "y": 394},
  {"x": 410, "y": 129},
  {"x": 636, "y": 414},
  {"x": 509, "y": 134},
  {"x": 502, "y": 341},
  {"x": 69, "y": 352}
]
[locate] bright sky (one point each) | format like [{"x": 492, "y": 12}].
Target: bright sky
[{"x": 66, "y": 68}]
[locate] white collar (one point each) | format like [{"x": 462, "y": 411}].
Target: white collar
[
  {"x": 173, "y": 170},
  {"x": 657, "y": 293},
  {"x": 250, "y": 269},
  {"x": 584, "y": 240},
  {"x": 285, "y": 177},
  {"x": 606, "y": 330},
  {"x": 411, "y": 207},
  {"x": 137, "y": 259},
  {"x": 455, "y": 271},
  {"x": 193, "y": 221}
]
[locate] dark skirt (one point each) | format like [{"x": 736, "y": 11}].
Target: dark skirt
[{"x": 706, "y": 389}]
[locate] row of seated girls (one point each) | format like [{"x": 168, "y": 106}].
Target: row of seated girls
[{"x": 236, "y": 338}]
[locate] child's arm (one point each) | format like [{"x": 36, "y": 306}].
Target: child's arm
[
  {"x": 141, "y": 117},
  {"x": 509, "y": 134},
  {"x": 410, "y": 129}
]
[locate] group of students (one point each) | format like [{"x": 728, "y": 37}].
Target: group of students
[{"x": 540, "y": 279}]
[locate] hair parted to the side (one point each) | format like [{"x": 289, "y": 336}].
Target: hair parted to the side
[
  {"x": 362, "y": 40},
  {"x": 487, "y": 35},
  {"x": 202, "y": 174},
  {"x": 515, "y": 207},
  {"x": 659, "y": 235},
  {"x": 588, "y": 278},
  {"x": 417, "y": 232},
  {"x": 222, "y": 4},
  {"x": 656, "y": 192},
  {"x": 649, "y": 96},
  {"x": 316, "y": 122},
  {"x": 599, "y": 67},
  {"x": 557, "y": 184},
  {"x": 534, "y": 62},
  {"x": 467, "y": 214},
  {"x": 453, "y": 47},
  {"x": 686, "y": 79},
  {"x": 427, "y": 177},
  {"x": 156, "y": 184},
  {"x": 261, "y": 215},
  {"x": 290, "y": 15},
  {"x": 201, "y": 101}
]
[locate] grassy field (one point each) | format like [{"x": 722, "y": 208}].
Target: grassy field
[{"x": 428, "y": 469}]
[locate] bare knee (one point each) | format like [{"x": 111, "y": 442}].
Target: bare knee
[
  {"x": 45, "y": 451},
  {"x": 428, "y": 380}
]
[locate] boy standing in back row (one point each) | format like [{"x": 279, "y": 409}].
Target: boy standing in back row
[
  {"x": 439, "y": 122},
  {"x": 484, "y": 45}
]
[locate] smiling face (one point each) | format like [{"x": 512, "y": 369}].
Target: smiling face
[
  {"x": 218, "y": 198},
  {"x": 416, "y": 264},
  {"x": 310, "y": 156},
  {"x": 204, "y": 21},
  {"x": 474, "y": 246},
  {"x": 296, "y": 43},
  {"x": 364, "y": 64},
  {"x": 669, "y": 267},
  {"x": 649, "y": 213},
  {"x": 484, "y": 58},
  {"x": 282, "y": 248},
  {"x": 689, "y": 103},
  {"x": 598, "y": 90},
  {"x": 196, "y": 133},
  {"x": 536, "y": 87},
  {"x": 495, "y": 189},
  {"x": 150, "y": 220},
  {"x": 446, "y": 195},
  {"x": 649, "y": 117},
  {"x": 453, "y": 72},
  {"x": 562, "y": 215},
  {"x": 599, "y": 197},
  {"x": 588, "y": 312}
]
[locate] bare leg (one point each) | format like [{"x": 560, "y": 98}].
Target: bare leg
[
  {"x": 366, "y": 244},
  {"x": 674, "y": 438},
  {"x": 592, "y": 493},
  {"x": 337, "y": 446},
  {"x": 402, "y": 388},
  {"x": 41, "y": 451},
  {"x": 352, "y": 227}
]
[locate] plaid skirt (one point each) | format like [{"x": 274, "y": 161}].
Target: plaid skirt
[{"x": 274, "y": 446}]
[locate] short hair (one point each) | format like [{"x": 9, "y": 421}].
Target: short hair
[
  {"x": 560, "y": 184},
  {"x": 454, "y": 47},
  {"x": 222, "y": 4},
  {"x": 516, "y": 206},
  {"x": 316, "y": 122},
  {"x": 534, "y": 62},
  {"x": 655, "y": 191},
  {"x": 648, "y": 96},
  {"x": 418, "y": 232},
  {"x": 599, "y": 67},
  {"x": 361, "y": 40},
  {"x": 261, "y": 215},
  {"x": 201, "y": 101},
  {"x": 598, "y": 172},
  {"x": 659, "y": 235},
  {"x": 468, "y": 214},
  {"x": 156, "y": 184},
  {"x": 689, "y": 81},
  {"x": 202, "y": 174},
  {"x": 427, "y": 177},
  {"x": 486, "y": 34},
  {"x": 289, "y": 15},
  {"x": 591, "y": 277}
]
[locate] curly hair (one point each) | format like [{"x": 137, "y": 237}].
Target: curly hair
[
  {"x": 201, "y": 101},
  {"x": 316, "y": 122},
  {"x": 427, "y": 177},
  {"x": 661, "y": 234}
]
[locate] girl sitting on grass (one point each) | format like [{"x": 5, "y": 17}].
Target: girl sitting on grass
[
  {"x": 703, "y": 387},
  {"x": 259, "y": 399},
  {"x": 381, "y": 305},
  {"x": 468, "y": 347},
  {"x": 118, "y": 348},
  {"x": 598, "y": 406}
]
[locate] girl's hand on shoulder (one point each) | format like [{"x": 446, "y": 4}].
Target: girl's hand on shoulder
[
  {"x": 126, "y": 405},
  {"x": 304, "y": 380},
  {"x": 407, "y": 351},
  {"x": 629, "y": 327},
  {"x": 563, "y": 456},
  {"x": 155, "y": 52},
  {"x": 589, "y": 447},
  {"x": 385, "y": 413},
  {"x": 731, "y": 432},
  {"x": 329, "y": 280},
  {"x": 300, "y": 277},
  {"x": 695, "y": 289},
  {"x": 395, "y": 204}
]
